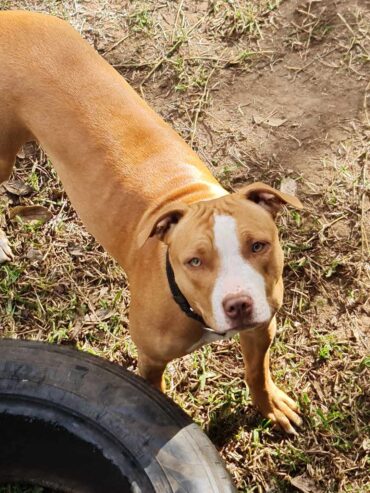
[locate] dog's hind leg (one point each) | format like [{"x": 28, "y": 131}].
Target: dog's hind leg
[
  {"x": 5, "y": 250},
  {"x": 10, "y": 142},
  {"x": 6, "y": 165},
  {"x": 7, "y": 159}
]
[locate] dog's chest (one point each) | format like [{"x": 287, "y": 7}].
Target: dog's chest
[{"x": 208, "y": 337}]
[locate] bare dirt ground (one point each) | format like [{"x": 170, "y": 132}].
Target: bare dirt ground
[{"x": 263, "y": 90}]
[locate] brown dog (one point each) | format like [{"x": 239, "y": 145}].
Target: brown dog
[{"x": 203, "y": 264}]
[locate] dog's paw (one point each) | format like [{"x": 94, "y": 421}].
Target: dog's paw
[
  {"x": 5, "y": 250},
  {"x": 279, "y": 408}
]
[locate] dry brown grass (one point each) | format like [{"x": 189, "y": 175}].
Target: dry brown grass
[{"x": 210, "y": 68}]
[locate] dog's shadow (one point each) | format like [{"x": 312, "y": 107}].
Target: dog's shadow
[{"x": 226, "y": 421}]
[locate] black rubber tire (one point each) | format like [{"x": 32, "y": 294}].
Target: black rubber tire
[{"x": 77, "y": 423}]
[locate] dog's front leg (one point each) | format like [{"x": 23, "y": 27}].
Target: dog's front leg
[
  {"x": 152, "y": 370},
  {"x": 272, "y": 402}
]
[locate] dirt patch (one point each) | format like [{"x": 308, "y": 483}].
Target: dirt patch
[{"x": 302, "y": 102}]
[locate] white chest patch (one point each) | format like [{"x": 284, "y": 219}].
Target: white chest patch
[
  {"x": 236, "y": 275},
  {"x": 208, "y": 337}
]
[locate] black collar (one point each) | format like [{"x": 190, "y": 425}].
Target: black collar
[{"x": 178, "y": 296}]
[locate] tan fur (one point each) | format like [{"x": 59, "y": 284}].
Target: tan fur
[{"x": 125, "y": 170}]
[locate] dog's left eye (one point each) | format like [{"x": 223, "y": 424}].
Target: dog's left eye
[
  {"x": 195, "y": 262},
  {"x": 258, "y": 246}
]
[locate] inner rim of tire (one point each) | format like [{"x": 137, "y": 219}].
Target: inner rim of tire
[
  {"x": 49, "y": 447},
  {"x": 48, "y": 455}
]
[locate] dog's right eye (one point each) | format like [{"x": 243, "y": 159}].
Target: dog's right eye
[
  {"x": 258, "y": 246},
  {"x": 195, "y": 262}
]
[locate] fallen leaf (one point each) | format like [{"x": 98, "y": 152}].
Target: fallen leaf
[
  {"x": 275, "y": 122},
  {"x": 318, "y": 389},
  {"x": 76, "y": 329},
  {"x": 98, "y": 316},
  {"x": 103, "y": 291},
  {"x": 270, "y": 121},
  {"x": 104, "y": 314},
  {"x": 75, "y": 251},
  {"x": 288, "y": 185},
  {"x": 56, "y": 193},
  {"x": 30, "y": 213},
  {"x": 18, "y": 187},
  {"x": 304, "y": 484},
  {"x": 366, "y": 444},
  {"x": 34, "y": 255},
  {"x": 21, "y": 153}
]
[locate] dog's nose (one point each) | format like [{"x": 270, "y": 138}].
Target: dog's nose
[{"x": 238, "y": 307}]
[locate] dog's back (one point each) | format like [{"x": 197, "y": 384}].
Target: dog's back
[{"x": 115, "y": 156}]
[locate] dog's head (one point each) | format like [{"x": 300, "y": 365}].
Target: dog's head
[{"x": 225, "y": 254}]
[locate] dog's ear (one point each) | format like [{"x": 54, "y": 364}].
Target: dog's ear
[
  {"x": 269, "y": 198},
  {"x": 160, "y": 224}
]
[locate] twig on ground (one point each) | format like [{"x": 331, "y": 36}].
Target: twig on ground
[
  {"x": 366, "y": 97},
  {"x": 115, "y": 45},
  {"x": 201, "y": 101},
  {"x": 169, "y": 53},
  {"x": 364, "y": 240}
]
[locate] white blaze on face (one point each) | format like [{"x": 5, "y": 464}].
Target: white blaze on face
[{"x": 235, "y": 276}]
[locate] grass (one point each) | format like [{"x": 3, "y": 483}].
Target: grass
[{"x": 208, "y": 68}]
